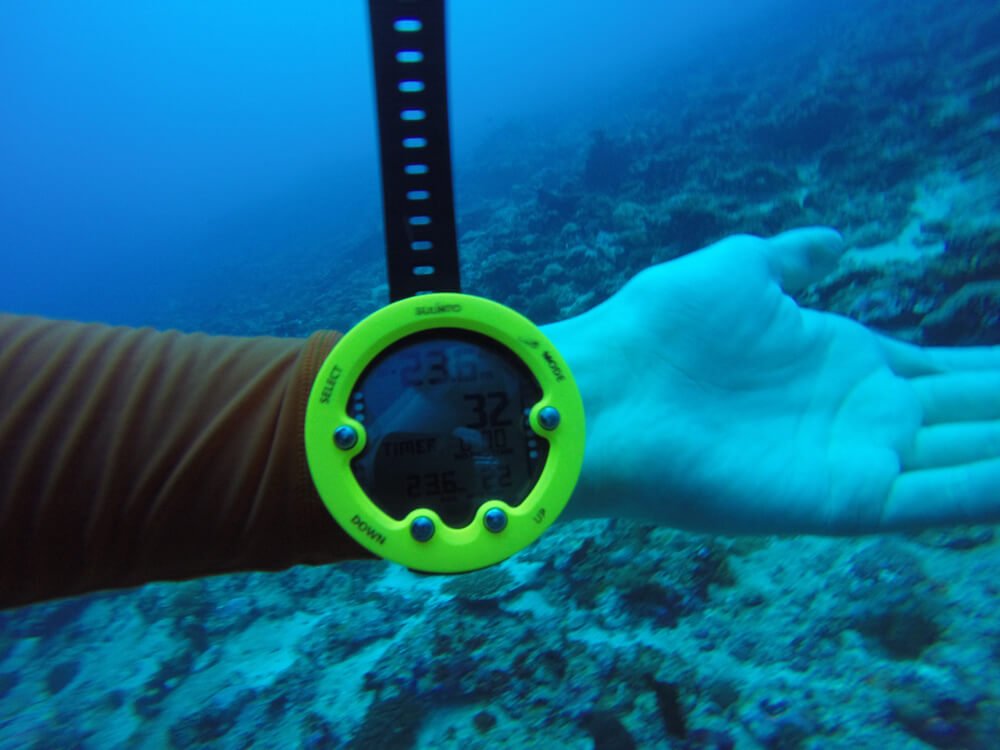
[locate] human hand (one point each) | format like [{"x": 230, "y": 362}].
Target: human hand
[{"x": 715, "y": 403}]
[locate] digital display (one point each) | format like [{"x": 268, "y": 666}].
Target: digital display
[{"x": 446, "y": 415}]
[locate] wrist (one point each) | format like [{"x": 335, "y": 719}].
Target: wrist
[{"x": 590, "y": 497}]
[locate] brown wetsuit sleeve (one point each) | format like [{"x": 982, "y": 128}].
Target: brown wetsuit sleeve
[{"x": 134, "y": 455}]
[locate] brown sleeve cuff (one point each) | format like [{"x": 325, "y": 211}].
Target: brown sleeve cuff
[{"x": 133, "y": 455}]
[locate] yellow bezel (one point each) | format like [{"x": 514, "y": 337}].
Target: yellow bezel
[{"x": 449, "y": 550}]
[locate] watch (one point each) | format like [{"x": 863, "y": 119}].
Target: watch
[{"x": 444, "y": 432}]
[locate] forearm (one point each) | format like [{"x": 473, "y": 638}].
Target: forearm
[
  {"x": 134, "y": 455},
  {"x": 592, "y": 495}
]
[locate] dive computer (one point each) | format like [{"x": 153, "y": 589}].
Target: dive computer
[{"x": 444, "y": 432}]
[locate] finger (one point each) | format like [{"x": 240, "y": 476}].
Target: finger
[
  {"x": 934, "y": 497},
  {"x": 958, "y": 397},
  {"x": 801, "y": 257},
  {"x": 908, "y": 360},
  {"x": 953, "y": 445}
]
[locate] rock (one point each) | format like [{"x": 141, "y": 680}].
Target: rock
[
  {"x": 779, "y": 725},
  {"x": 969, "y": 317},
  {"x": 7, "y": 682},
  {"x": 959, "y": 538},
  {"x": 61, "y": 675},
  {"x": 205, "y": 727},
  {"x": 894, "y": 605},
  {"x": 607, "y": 731},
  {"x": 939, "y": 713},
  {"x": 484, "y": 721}
]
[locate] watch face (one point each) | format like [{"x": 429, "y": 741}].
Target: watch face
[{"x": 446, "y": 417}]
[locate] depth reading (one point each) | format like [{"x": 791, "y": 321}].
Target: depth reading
[
  {"x": 489, "y": 409},
  {"x": 437, "y": 366}
]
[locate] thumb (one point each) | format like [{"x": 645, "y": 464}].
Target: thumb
[{"x": 801, "y": 257}]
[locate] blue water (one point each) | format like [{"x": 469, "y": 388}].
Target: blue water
[
  {"x": 214, "y": 167},
  {"x": 137, "y": 137}
]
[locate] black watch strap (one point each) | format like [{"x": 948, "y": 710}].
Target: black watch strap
[{"x": 408, "y": 45}]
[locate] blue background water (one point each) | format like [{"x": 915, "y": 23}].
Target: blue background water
[{"x": 212, "y": 169}]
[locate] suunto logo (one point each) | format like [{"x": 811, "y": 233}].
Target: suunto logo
[
  {"x": 366, "y": 529},
  {"x": 438, "y": 309},
  {"x": 554, "y": 366}
]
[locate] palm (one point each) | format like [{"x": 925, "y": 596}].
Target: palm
[{"x": 717, "y": 403}]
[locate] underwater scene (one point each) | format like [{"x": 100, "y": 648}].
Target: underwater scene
[{"x": 216, "y": 170}]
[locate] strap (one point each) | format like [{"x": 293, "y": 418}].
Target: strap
[{"x": 408, "y": 44}]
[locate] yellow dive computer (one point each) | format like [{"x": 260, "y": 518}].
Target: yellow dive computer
[{"x": 444, "y": 431}]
